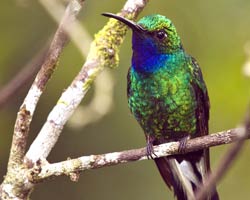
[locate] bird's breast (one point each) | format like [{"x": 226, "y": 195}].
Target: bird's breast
[{"x": 163, "y": 103}]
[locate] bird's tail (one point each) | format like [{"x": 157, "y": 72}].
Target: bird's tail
[{"x": 185, "y": 174}]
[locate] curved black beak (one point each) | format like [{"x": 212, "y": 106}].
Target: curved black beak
[{"x": 134, "y": 26}]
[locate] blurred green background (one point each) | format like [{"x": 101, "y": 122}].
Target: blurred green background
[{"x": 214, "y": 32}]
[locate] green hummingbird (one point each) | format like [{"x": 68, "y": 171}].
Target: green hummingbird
[{"x": 169, "y": 99}]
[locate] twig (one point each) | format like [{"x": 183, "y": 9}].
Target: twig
[
  {"x": 27, "y": 109},
  {"x": 103, "y": 53},
  {"x": 78, "y": 35},
  {"x": 226, "y": 163},
  {"x": 22, "y": 77},
  {"x": 69, "y": 167}
]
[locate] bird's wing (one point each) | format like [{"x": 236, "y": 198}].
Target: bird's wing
[
  {"x": 203, "y": 105},
  {"x": 202, "y": 112}
]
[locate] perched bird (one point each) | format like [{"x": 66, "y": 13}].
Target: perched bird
[{"x": 169, "y": 99}]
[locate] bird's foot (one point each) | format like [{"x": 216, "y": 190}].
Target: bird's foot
[
  {"x": 182, "y": 145},
  {"x": 150, "y": 148}
]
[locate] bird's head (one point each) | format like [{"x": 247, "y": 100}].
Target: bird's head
[{"x": 155, "y": 34}]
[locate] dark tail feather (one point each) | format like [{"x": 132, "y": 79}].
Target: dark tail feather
[
  {"x": 166, "y": 174},
  {"x": 215, "y": 196},
  {"x": 182, "y": 182}
]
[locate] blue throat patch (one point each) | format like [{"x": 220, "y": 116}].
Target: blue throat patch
[
  {"x": 149, "y": 63},
  {"x": 147, "y": 57}
]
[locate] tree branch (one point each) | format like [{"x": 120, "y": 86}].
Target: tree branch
[
  {"x": 27, "y": 109},
  {"x": 101, "y": 101},
  {"x": 103, "y": 53},
  {"x": 44, "y": 170},
  {"x": 14, "y": 185}
]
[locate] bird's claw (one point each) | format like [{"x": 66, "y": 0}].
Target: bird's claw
[
  {"x": 182, "y": 145},
  {"x": 150, "y": 149}
]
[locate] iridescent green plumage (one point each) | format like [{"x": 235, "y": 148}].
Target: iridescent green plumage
[
  {"x": 168, "y": 97},
  {"x": 164, "y": 101}
]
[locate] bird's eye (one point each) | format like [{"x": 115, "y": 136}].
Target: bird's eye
[{"x": 161, "y": 34}]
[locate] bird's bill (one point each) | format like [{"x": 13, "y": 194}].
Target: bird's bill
[{"x": 134, "y": 26}]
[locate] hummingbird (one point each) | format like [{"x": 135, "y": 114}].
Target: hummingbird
[{"x": 168, "y": 97}]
